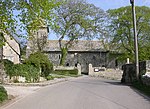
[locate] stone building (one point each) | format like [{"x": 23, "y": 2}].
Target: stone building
[
  {"x": 37, "y": 40},
  {"x": 84, "y": 52},
  {"x": 11, "y": 50}
]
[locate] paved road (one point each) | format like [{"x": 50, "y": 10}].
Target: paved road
[{"x": 84, "y": 93}]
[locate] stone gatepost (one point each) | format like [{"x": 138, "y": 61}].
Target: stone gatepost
[
  {"x": 79, "y": 69},
  {"x": 90, "y": 70}
]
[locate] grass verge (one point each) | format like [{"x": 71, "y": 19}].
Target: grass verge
[
  {"x": 3, "y": 94},
  {"x": 142, "y": 88}
]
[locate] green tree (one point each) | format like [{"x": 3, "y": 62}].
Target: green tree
[
  {"x": 76, "y": 19},
  {"x": 7, "y": 22},
  {"x": 121, "y": 31},
  {"x": 36, "y": 13}
]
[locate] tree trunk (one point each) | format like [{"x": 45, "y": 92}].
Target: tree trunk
[{"x": 64, "y": 52}]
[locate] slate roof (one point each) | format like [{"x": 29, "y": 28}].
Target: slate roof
[{"x": 80, "y": 45}]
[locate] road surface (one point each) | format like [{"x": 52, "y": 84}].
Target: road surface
[{"x": 84, "y": 93}]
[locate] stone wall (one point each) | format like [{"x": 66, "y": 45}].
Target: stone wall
[
  {"x": 83, "y": 58},
  {"x": 114, "y": 74},
  {"x": 2, "y": 73},
  {"x": 1, "y": 53},
  {"x": 11, "y": 50},
  {"x": 129, "y": 73},
  {"x": 37, "y": 40}
]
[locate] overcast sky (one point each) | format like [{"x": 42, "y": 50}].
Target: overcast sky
[{"x": 111, "y": 4}]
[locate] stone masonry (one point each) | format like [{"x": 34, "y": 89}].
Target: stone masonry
[
  {"x": 81, "y": 52},
  {"x": 129, "y": 74}
]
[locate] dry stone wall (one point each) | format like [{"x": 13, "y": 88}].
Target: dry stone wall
[{"x": 129, "y": 74}]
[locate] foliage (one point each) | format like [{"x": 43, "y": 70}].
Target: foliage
[
  {"x": 76, "y": 19},
  {"x": 8, "y": 67},
  {"x": 121, "y": 31},
  {"x": 49, "y": 77},
  {"x": 66, "y": 72},
  {"x": 7, "y": 21},
  {"x": 30, "y": 72},
  {"x": 3, "y": 94},
  {"x": 36, "y": 13},
  {"x": 40, "y": 61}
]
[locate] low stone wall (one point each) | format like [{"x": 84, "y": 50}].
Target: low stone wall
[
  {"x": 2, "y": 73},
  {"x": 68, "y": 68},
  {"x": 63, "y": 68},
  {"x": 146, "y": 80},
  {"x": 129, "y": 73},
  {"x": 114, "y": 74},
  {"x": 20, "y": 79}
]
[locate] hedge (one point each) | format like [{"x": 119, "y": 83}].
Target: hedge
[{"x": 30, "y": 72}]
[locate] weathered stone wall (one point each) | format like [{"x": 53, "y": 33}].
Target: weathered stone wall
[
  {"x": 83, "y": 58},
  {"x": 96, "y": 58},
  {"x": 129, "y": 74},
  {"x": 114, "y": 74},
  {"x": 2, "y": 73},
  {"x": 1, "y": 53},
  {"x": 37, "y": 40},
  {"x": 11, "y": 50}
]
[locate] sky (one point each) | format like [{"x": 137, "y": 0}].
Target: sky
[
  {"x": 110, "y": 4},
  {"x": 113, "y": 4}
]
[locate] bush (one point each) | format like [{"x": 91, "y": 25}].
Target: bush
[
  {"x": 40, "y": 61},
  {"x": 8, "y": 67},
  {"x": 66, "y": 72},
  {"x": 30, "y": 72},
  {"x": 3, "y": 94},
  {"x": 49, "y": 77}
]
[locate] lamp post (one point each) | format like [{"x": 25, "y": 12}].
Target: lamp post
[{"x": 135, "y": 39}]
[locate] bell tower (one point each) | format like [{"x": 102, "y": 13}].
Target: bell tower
[{"x": 37, "y": 40}]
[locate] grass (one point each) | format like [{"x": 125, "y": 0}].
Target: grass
[
  {"x": 142, "y": 88},
  {"x": 63, "y": 74}
]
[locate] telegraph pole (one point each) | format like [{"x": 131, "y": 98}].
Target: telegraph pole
[{"x": 135, "y": 39}]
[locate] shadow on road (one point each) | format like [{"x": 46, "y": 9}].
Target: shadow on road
[{"x": 105, "y": 82}]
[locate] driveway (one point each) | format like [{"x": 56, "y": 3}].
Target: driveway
[{"x": 84, "y": 93}]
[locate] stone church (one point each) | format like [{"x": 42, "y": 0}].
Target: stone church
[{"x": 84, "y": 52}]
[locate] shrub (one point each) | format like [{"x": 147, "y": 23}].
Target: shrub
[
  {"x": 30, "y": 72},
  {"x": 3, "y": 94},
  {"x": 8, "y": 67},
  {"x": 40, "y": 61},
  {"x": 49, "y": 77}
]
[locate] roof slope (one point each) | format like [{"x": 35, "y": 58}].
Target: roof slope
[{"x": 80, "y": 45}]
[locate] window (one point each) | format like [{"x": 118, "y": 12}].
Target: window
[{"x": 67, "y": 64}]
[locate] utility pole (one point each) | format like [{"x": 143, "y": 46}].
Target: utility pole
[{"x": 135, "y": 39}]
